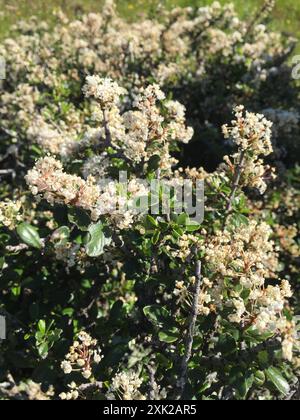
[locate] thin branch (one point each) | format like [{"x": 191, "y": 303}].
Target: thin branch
[
  {"x": 266, "y": 8},
  {"x": 235, "y": 185},
  {"x": 16, "y": 248},
  {"x": 108, "y": 139},
  {"x": 190, "y": 334},
  {"x": 236, "y": 181}
]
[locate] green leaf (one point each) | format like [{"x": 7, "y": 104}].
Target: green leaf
[
  {"x": 63, "y": 234},
  {"x": 275, "y": 376},
  {"x": 150, "y": 222},
  {"x": 43, "y": 350},
  {"x": 239, "y": 220},
  {"x": 36, "y": 150},
  {"x": 2, "y": 262},
  {"x": 42, "y": 326},
  {"x": 192, "y": 226},
  {"x": 164, "y": 361},
  {"x": 97, "y": 241},
  {"x": 55, "y": 335},
  {"x": 256, "y": 336},
  {"x": 155, "y": 237},
  {"x": 39, "y": 336},
  {"x": 243, "y": 386},
  {"x": 168, "y": 336},
  {"x": 16, "y": 291},
  {"x": 80, "y": 218},
  {"x": 156, "y": 314},
  {"x": 182, "y": 219},
  {"x": 263, "y": 359},
  {"x": 259, "y": 378},
  {"x": 153, "y": 163},
  {"x": 29, "y": 235},
  {"x": 226, "y": 344},
  {"x": 68, "y": 312}
]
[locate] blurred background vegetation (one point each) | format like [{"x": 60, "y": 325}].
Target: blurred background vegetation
[{"x": 286, "y": 13}]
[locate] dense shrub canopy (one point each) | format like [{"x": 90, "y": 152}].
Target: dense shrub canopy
[{"x": 102, "y": 300}]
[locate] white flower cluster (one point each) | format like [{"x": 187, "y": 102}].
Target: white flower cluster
[
  {"x": 10, "y": 214},
  {"x": 25, "y": 390},
  {"x": 254, "y": 173},
  {"x": 54, "y": 140},
  {"x": 82, "y": 355},
  {"x": 157, "y": 392},
  {"x": 125, "y": 386},
  {"x": 251, "y": 132},
  {"x": 119, "y": 204},
  {"x": 106, "y": 91},
  {"x": 139, "y": 133},
  {"x": 247, "y": 257},
  {"x": 23, "y": 101},
  {"x": 183, "y": 247},
  {"x": 289, "y": 342},
  {"x": 72, "y": 394},
  {"x": 48, "y": 180},
  {"x": 177, "y": 127},
  {"x": 148, "y": 96}
]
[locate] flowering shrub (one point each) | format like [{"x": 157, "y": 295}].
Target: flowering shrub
[
  {"x": 103, "y": 297},
  {"x": 186, "y": 51}
]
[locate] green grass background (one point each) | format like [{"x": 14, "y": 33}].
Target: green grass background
[{"x": 286, "y": 13}]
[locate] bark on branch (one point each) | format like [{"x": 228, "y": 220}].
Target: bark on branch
[{"x": 190, "y": 334}]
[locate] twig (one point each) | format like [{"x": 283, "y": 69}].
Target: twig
[
  {"x": 266, "y": 8},
  {"x": 236, "y": 182},
  {"x": 235, "y": 185},
  {"x": 108, "y": 139},
  {"x": 190, "y": 334},
  {"x": 16, "y": 248},
  {"x": 85, "y": 311}
]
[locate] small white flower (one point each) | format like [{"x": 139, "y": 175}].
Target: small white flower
[
  {"x": 80, "y": 362},
  {"x": 66, "y": 367},
  {"x": 97, "y": 357},
  {"x": 87, "y": 374}
]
